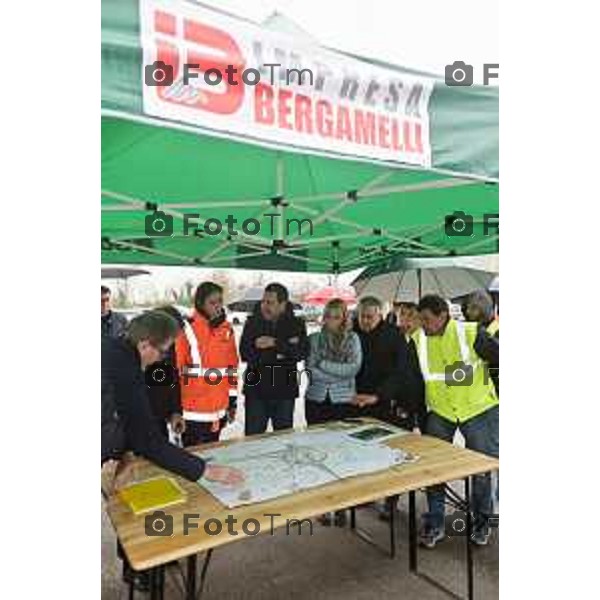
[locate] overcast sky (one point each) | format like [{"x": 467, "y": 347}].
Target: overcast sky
[{"x": 421, "y": 34}]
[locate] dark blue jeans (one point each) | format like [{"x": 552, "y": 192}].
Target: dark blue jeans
[
  {"x": 481, "y": 435},
  {"x": 259, "y": 410}
]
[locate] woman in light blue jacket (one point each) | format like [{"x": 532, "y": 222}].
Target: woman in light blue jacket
[{"x": 334, "y": 359}]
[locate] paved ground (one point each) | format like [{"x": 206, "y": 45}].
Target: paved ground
[{"x": 331, "y": 564}]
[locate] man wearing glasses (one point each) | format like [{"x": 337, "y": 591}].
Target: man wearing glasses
[{"x": 128, "y": 423}]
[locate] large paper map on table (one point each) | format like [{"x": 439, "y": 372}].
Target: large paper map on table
[{"x": 287, "y": 463}]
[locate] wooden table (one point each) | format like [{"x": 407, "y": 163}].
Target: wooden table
[{"x": 439, "y": 462}]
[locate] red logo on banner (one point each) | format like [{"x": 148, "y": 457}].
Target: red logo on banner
[{"x": 209, "y": 48}]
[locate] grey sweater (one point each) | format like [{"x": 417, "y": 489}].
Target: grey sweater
[{"x": 337, "y": 378}]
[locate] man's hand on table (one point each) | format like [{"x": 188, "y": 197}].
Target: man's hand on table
[
  {"x": 116, "y": 473},
  {"x": 177, "y": 423},
  {"x": 362, "y": 400},
  {"x": 222, "y": 474},
  {"x": 108, "y": 475}
]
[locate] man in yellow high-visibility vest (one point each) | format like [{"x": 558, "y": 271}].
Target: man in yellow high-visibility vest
[{"x": 459, "y": 395}]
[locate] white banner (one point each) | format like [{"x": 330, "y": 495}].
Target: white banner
[{"x": 204, "y": 68}]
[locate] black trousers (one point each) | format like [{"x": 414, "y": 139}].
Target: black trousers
[
  {"x": 197, "y": 433},
  {"x": 259, "y": 410},
  {"x": 323, "y": 412}
]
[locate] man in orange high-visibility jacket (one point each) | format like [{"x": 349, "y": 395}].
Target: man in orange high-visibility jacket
[{"x": 207, "y": 362}]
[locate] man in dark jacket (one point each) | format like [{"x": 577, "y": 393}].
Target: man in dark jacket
[
  {"x": 272, "y": 344},
  {"x": 388, "y": 377},
  {"x": 480, "y": 308},
  {"x": 165, "y": 390},
  {"x": 128, "y": 423},
  {"x": 112, "y": 324}
]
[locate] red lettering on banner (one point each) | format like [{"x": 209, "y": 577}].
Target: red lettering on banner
[
  {"x": 303, "y": 114},
  {"x": 365, "y": 127},
  {"x": 165, "y": 23},
  {"x": 410, "y": 144},
  {"x": 288, "y": 110},
  {"x": 284, "y": 109},
  {"x": 263, "y": 104},
  {"x": 228, "y": 53},
  {"x": 418, "y": 138},
  {"x": 383, "y": 132},
  {"x": 324, "y": 121},
  {"x": 343, "y": 130},
  {"x": 396, "y": 143}
]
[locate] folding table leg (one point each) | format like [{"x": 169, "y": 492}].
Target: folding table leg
[
  {"x": 412, "y": 532},
  {"x": 392, "y": 503},
  {"x": 190, "y": 580},
  {"x": 468, "y": 538},
  {"x": 204, "y": 570},
  {"x": 157, "y": 583}
]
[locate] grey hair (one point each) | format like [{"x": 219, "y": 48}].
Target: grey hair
[{"x": 482, "y": 300}]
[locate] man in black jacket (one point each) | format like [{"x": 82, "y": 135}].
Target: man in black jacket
[
  {"x": 165, "y": 391},
  {"x": 388, "y": 376},
  {"x": 128, "y": 423},
  {"x": 480, "y": 308},
  {"x": 272, "y": 344}
]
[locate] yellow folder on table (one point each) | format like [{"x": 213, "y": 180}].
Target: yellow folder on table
[{"x": 152, "y": 494}]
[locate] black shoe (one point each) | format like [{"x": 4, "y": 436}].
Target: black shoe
[
  {"x": 384, "y": 515},
  {"x": 340, "y": 518},
  {"x": 139, "y": 579},
  {"x": 326, "y": 520}
]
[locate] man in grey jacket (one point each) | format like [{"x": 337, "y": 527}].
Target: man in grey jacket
[{"x": 113, "y": 324}]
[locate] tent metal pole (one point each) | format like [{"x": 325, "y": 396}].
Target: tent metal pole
[
  {"x": 179, "y": 215},
  {"x": 227, "y": 243},
  {"x": 134, "y": 246},
  {"x": 368, "y": 230},
  {"x": 280, "y": 187},
  {"x": 368, "y": 192}
]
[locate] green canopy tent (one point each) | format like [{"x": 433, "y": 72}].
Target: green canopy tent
[{"x": 325, "y": 198}]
